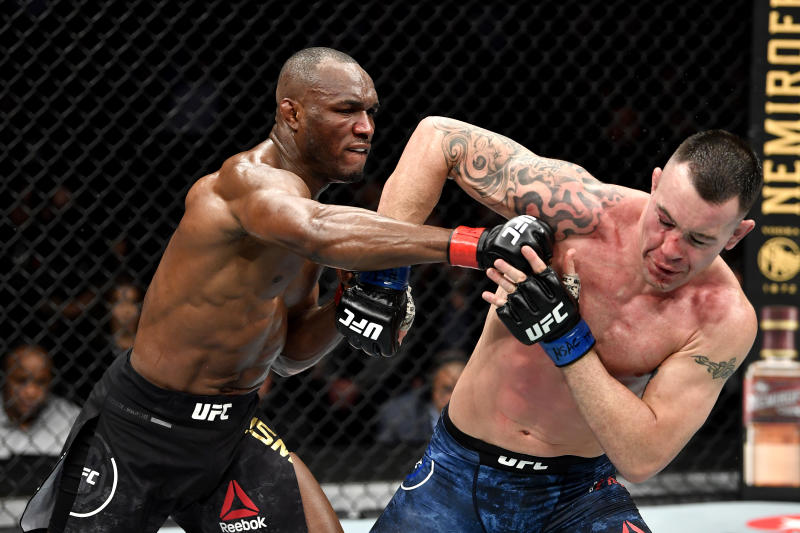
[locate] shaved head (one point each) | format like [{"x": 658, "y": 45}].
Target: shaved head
[
  {"x": 301, "y": 70},
  {"x": 324, "y": 117}
]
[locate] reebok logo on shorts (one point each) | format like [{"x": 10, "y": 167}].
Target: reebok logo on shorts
[
  {"x": 628, "y": 527},
  {"x": 237, "y": 508}
]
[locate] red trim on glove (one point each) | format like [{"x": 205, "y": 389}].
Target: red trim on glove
[
  {"x": 462, "y": 250},
  {"x": 338, "y": 296}
]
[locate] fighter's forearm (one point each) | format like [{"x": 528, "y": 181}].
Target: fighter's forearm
[
  {"x": 623, "y": 424},
  {"x": 358, "y": 239},
  {"x": 414, "y": 188},
  {"x": 310, "y": 337}
]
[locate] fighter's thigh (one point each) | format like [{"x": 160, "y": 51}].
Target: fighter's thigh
[
  {"x": 608, "y": 509},
  {"x": 431, "y": 499},
  {"x": 258, "y": 492},
  {"x": 320, "y": 516},
  {"x": 100, "y": 492}
]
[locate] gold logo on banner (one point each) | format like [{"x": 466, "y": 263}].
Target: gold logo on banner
[{"x": 779, "y": 259}]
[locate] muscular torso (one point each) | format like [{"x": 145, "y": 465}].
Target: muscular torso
[
  {"x": 513, "y": 396},
  {"x": 215, "y": 315}
]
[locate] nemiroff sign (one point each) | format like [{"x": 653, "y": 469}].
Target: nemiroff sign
[
  {"x": 772, "y": 250},
  {"x": 772, "y": 261}
]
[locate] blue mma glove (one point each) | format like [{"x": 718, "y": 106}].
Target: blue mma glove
[{"x": 542, "y": 310}]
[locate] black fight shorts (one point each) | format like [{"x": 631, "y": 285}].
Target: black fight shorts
[{"x": 138, "y": 454}]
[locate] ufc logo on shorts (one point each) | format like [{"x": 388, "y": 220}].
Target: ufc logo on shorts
[
  {"x": 521, "y": 223},
  {"x": 370, "y": 330},
  {"x": 543, "y": 326},
  {"x": 520, "y": 463},
  {"x": 90, "y": 475},
  {"x": 210, "y": 411}
]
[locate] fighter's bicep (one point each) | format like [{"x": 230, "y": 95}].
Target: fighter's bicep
[
  {"x": 561, "y": 193},
  {"x": 275, "y": 216},
  {"x": 682, "y": 394}
]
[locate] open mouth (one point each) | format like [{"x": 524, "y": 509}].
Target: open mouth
[{"x": 362, "y": 150}]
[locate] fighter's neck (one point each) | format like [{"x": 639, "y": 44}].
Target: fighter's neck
[{"x": 282, "y": 152}]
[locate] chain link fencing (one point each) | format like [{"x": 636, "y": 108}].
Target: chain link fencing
[{"x": 111, "y": 110}]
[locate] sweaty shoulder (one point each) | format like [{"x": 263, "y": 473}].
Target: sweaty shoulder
[
  {"x": 720, "y": 297},
  {"x": 255, "y": 171},
  {"x": 725, "y": 318},
  {"x": 211, "y": 205}
]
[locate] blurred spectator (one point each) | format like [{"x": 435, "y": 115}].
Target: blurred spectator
[
  {"x": 410, "y": 417},
  {"x": 125, "y": 303},
  {"x": 33, "y": 423}
]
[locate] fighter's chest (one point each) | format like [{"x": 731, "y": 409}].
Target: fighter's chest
[
  {"x": 270, "y": 273},
  {"x": 635, "y": 331}
]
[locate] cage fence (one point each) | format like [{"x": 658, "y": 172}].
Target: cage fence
[{"x": 113, "y": 109}]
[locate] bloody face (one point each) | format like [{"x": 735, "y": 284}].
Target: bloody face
[{"x": 682, "y": 234}]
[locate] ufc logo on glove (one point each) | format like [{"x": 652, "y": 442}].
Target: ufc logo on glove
[
  {"x": 370, "y": 330},
  {"x": 560, "y": 331},
  {"x": 541, "y": 328},
  {"x": 517, "y": 226}
]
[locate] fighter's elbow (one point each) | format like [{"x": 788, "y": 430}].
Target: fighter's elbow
[
  {"x": 286, "y": 367},
  {"x": 638, "y": 470},
  {"x": 635, "y": 475}
]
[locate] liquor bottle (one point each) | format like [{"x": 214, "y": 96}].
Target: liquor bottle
[{"x": 772, "y": 404}]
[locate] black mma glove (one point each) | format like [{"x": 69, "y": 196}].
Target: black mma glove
[
  {"x": 479, "y": 247},
  {"x": 542, "y": 310},
  {"x": 374, "y": 310}
]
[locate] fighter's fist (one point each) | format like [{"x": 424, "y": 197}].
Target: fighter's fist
[
  {"x": 376, "y": 311},
  {"x": 541, "y": 309},
  {"x": 479, "y": 247}
]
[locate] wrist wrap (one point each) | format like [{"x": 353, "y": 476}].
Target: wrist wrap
[
  {"x": 571, "y": 346},
  {"x": 390, "y": 278},
  {"x": 462, "y": 250}
]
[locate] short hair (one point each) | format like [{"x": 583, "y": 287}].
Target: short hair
[
  {"x": 20, "y": 349},
  {"x": 445, "y": 357},
  {"x": 301, "y": 68},
  {"x": 722, "y": 166}
]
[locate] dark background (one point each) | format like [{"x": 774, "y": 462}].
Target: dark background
[{"x": 111, "y": 110}]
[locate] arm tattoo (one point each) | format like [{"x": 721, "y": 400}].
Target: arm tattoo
[
  {"x": 722, "y": 370},
  {"x": 508, "y": 175}
]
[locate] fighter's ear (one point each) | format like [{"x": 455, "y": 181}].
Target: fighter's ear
[
  {"x": 655, "y": 179},
  {"x": 290, "y": 110},
  {"x": 744, "y": 227}
]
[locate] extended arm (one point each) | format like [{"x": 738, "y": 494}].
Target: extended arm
[{"x": 338, "y": 236}]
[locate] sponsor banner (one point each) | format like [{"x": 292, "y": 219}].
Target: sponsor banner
[
  {"x": 772, "y": 258},
  {"x": 772, "y": 250}
]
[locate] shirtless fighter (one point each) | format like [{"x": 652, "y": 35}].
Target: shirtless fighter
[
  {"x": 169, "y": 429},
  {"x": 551, "y": 406}
]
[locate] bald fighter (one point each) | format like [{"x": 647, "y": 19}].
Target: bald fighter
[
  {"x": 169, "y": 429},
  {"x": 558, "y": 397}
]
